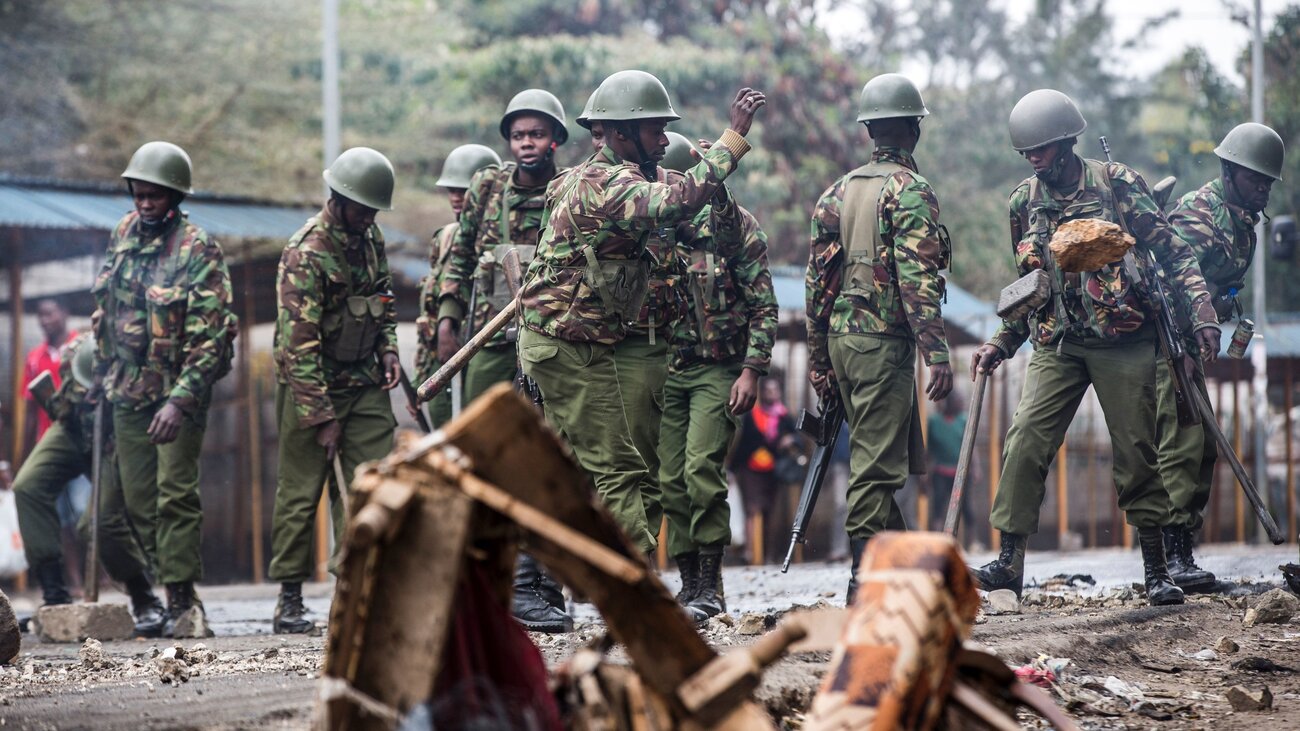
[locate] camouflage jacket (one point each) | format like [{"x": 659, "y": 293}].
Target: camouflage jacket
[
  {"x": 471, "y": 272},
  {"x": 595, "y": 241},
  {"x": 71, "y": 403},
  {"x": 426, "y": 325},
  {"x": 731, "y": 306},
  {"x": 1104, "y": 303},
  {"x": 320, "y": 268},
  {"x": 165, "y": 322},
  {"x": 899, "y": 290},
  {"x": 1222, "y": 237}
]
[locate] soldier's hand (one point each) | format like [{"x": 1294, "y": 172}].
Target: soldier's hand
[
  {"x": 1208, "y": 339},
  {"x": 823, "y": 382},
  {"x": 166, "y": 424},
  {"x": 392, "y": 370},
  {"x": 448, "y": 343},
  {"x": 940, "y": 382},
  {"x": 328, "y": 436},
  {"x": 747, "y": 102},
  {"x": 744, "y": 392},
  {"x": 987, "y": 358}
]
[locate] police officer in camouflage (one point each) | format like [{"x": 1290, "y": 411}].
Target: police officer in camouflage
[
  {"x": 64, "y": 452},
  {"x": 336, "y": 360},
  {"x": 457, "y": 170},
  {"x": 164, "y": 331},
  {"x": 588, "y": 280},
  {"x": 503, "y": 211},
  {"x": 1218, "y": 222},
  {"x": 1096, "y": 329},
  {"x": 720, "y": 348},
  {"x": 874, "y": 295}
]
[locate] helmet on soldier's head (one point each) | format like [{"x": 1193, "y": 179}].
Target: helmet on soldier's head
[
  {"x": 538, "y": 101},
  {"x": 890, "y": 95},
  {"x": 1255, "y": 147},
  {"x": 161, "y": 163},
  {"x": 582, "y": 119},
  {"x": 462, "y": 163},
  {"x": 1042, "y": 117},
  {"x": 628, "y": 96},
  {"x": 364, "y": 176},
  {"x": 83, "y": 362},
  {"x": 678, "y": 155}
]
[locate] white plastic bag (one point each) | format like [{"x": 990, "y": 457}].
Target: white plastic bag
[{"x": 13, "y": 560}]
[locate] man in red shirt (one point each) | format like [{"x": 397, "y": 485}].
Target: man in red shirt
[{"x": 45, "y": 357}]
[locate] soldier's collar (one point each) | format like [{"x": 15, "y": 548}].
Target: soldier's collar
[
  {"x": 896, "y": 155},
  {"x": 1239, "y": 214},
  {"x": 136, "y": 236},
  {"x": 334, "y": 229}
]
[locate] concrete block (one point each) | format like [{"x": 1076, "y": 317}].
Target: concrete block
[{"x": 77, "y": 622}]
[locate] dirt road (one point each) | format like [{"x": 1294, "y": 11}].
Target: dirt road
[{"x": 1129, "y": 666}]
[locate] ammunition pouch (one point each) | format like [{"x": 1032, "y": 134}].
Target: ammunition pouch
[
  {"x": 490, "y": 277},
  {"x": 349, "y": 333},
  {"x": 620, "y": 283}
]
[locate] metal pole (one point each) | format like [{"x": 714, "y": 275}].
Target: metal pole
[
  {"x": 1259, "y": 355},
  {"x": 330, "y": 80}
]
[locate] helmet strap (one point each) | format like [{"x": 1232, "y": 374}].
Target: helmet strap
[
  {"x": 338, "y": 210},
  {"x": 1064, "y": 154},
  {"x": 544, "y": 164},
  {"x": 649, "y": 168}
]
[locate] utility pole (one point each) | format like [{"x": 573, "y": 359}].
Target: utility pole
[
  {"x": 1259, "y": 353},
  {"x": 329, "y": 58}
]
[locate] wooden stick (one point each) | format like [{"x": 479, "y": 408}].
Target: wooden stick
[
  {"x": 457, "y": 362},
  {"x": 983, "y": 709},
  {"x": 963, "y": 460}
]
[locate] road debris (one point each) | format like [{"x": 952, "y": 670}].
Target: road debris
[
  {"x": 1245, "y": 699},
  {"x": 1275, "y": 607},
  {"x": 92, "y": 655},
  {"x": 1226, "y": 645},
  {"x": 1003, "y": 601}
]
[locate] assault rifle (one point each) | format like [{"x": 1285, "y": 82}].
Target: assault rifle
[{"x": 824, "y": 428}]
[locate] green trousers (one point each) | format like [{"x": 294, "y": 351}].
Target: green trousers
[
  {"x": 160, "y": 484},
  {"x": 366, "y": 415},
  {"x": 877, "y": 382},
  {"x": 642, "y": 370},
  {"x": 696, "y": 432},
  {"x": 1123, "y": 374},
  {"x": 487, "y": 368},
  {"x": 583, "y": 401},
  {"x": 60, "y": 456},
  {"x": 1187, "y": 454}
]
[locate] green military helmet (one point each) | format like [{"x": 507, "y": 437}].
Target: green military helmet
[
  {"x": 890, "y": 95},
  {"x": 161, "y": 163},
  {"x": 463, "y": 162},
  {"x": 1042, "y": 117},
  {"x": 83, "y": 362},
  {"x": 539, "y": 101},
  {"x": 678, "y": 155},
  {"x": 1255, "y": 147},
  {"x": 629, "y": 96},
  {"x": 363, "y": 175},
  {"x": 582, "y": 119}
]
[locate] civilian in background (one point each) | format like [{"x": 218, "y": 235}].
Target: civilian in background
[
  {"x": 766, "y": 433},
  {"x": 945, "y": 428}
]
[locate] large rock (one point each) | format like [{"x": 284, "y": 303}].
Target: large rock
[
  {"x": 1249, "y": 699},
  {"x": 1088, "y": 244},
  {"x": 77, "y": 622},
  {"x": 10, "y": 638},
  {"x": 1275, "y": 607},
  {"x": 192, "y": 625}
]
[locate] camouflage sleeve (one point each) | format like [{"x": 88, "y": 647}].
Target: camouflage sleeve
[
  {"x": 456, "y": 280},
  {"x": 1011, "y": 334},
  {"x": 912, "y": 215},
  {"x": 207, "y": 316},
  {"x": 384, "y": 283},
  {"x": 825, "y": 271},
  {"x": 1148, "y": 225},
  {"x": 300, "y": 292},
  {"x": 754, "y": 280},
  {"x": 1194, "y": 224},
  {"x": 630, "y": 197}
]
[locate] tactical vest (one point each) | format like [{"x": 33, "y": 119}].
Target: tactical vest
[
  {"x": 489, "y": 279},
  {"x": 350, "y": 331},
  {"x": 865, "y": 274},
  {"x": 1107, "y": 294}
]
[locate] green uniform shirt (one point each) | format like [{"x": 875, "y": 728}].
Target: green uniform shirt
[
  {"x": 320, "y": 268},
  {"x": 909, "y": 289},
  {"x": 1221, "y": 235},
  {"x": 165, "y": 314}
]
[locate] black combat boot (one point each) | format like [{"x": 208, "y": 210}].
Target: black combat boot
[
  {"x": 1007, "y": 571},
  {"x": 688, "y": 565},
  {"x": 1160, "y": 588},
  {"x": 1182, "y": 565},
  {"x": 856, "y": 547},
  {"x": 147, "y": 608},
  {"x": 290, "y": 615},
  {"x": 54, "y": 583},
  {"x": 710, "y": 599},
  {"x": 180, "y": 597},
  {"x": 538, "y": 602}
]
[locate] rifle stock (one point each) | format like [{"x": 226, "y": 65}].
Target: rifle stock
[{"x": 824, "y": 428}]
